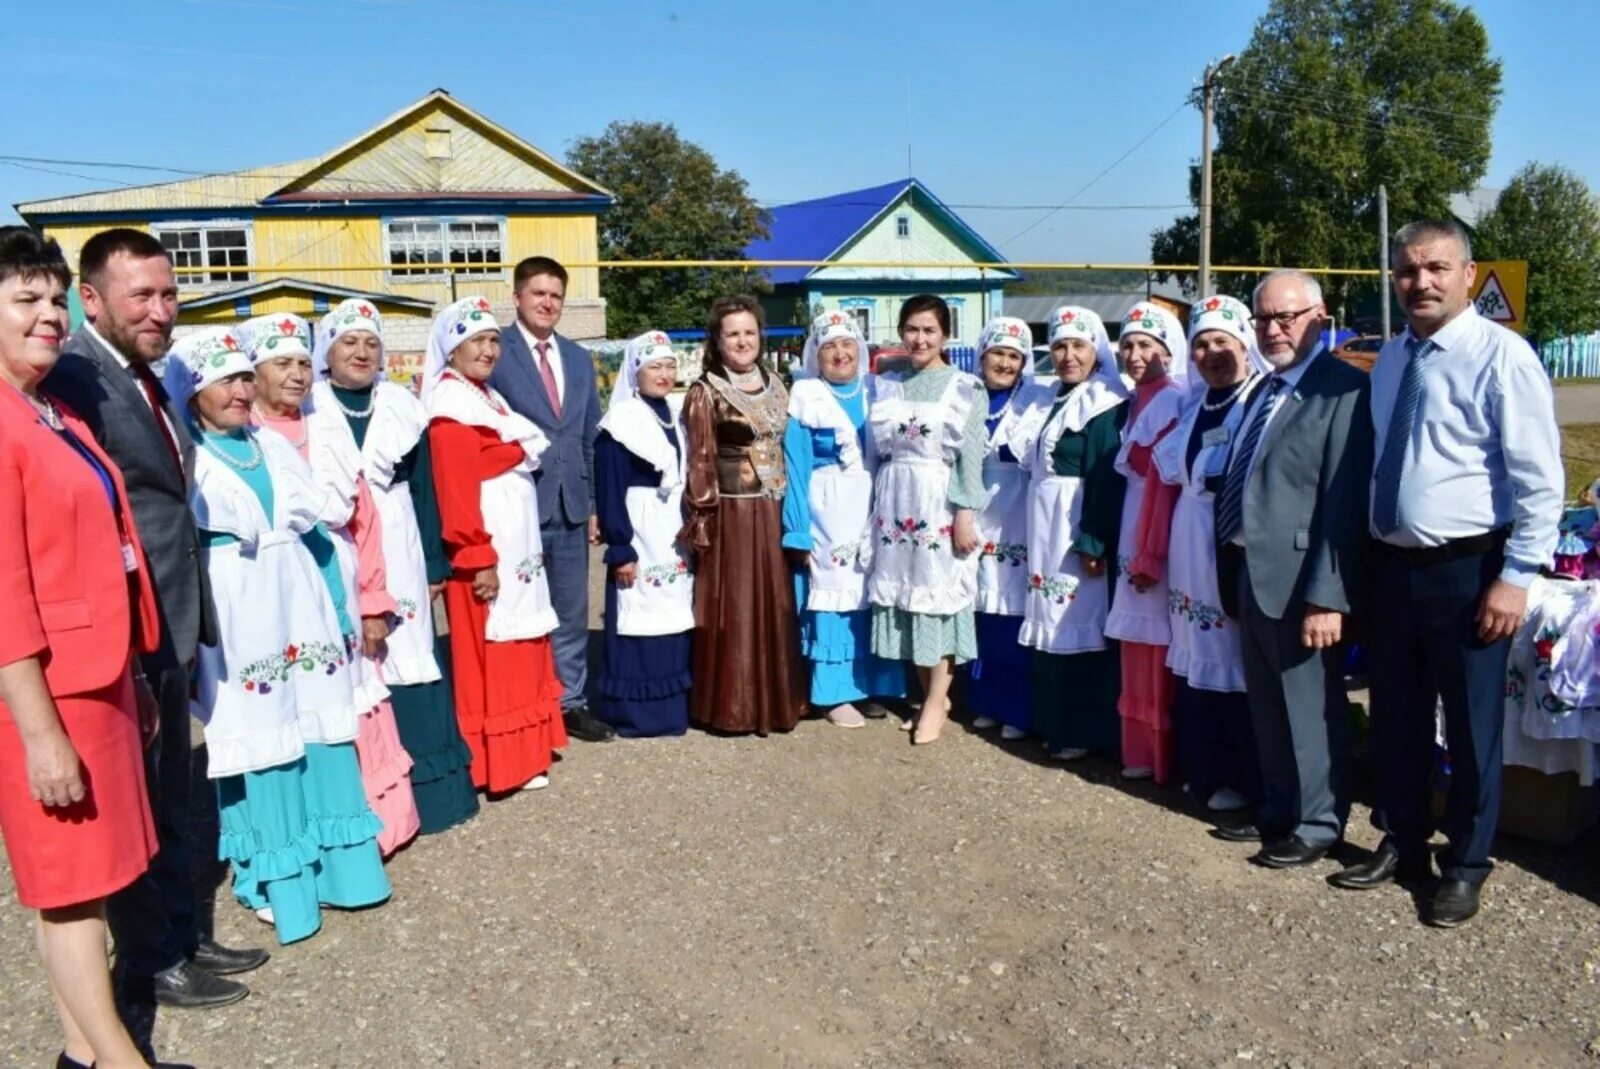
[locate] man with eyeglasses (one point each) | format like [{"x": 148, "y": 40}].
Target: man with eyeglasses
[
  {"x": 1466, "y": 499},
  {"x": 1291, "y": 520}
]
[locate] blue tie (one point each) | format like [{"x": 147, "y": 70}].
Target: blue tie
[
  {"x": 1230, "y": 507},
  {"x": 1391, "y": 466}
]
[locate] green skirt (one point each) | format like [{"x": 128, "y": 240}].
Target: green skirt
[
  {"x": 1075, "y": 699},
  {"x": 922, "y": 638}
]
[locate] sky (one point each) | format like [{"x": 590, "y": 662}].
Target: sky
[{"x": 1005, "y": 110}]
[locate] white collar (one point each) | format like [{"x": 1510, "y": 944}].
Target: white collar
[
  {"x": 1292, "y": 377},
  {"x": 533, "y": 342},
  {"x": 1448, "y": 335}
]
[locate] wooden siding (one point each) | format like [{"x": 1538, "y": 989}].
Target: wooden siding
[
  {"x": 299, "y": 304},
  {"x": 238, "y": 189},
  {"x": 929, "y": 241},
  {"x": 71, "y": 238},
  {"x": 566, "y": 238}
]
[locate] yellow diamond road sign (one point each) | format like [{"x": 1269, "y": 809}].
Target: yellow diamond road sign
[{"x": 1501, "y": 291}]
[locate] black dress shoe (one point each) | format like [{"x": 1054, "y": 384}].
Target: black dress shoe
[
  {"x": 1384, "y": 865},
  {"x": 1454, "y": 903},
  {"x": 584, "y": 725},
  {"x": 219, "y": 960},
  {"x": 873, "y": 711},
  {"x": 64, "y": 1062},
  {"x": 1237, "y": 832},
  {"x": 186, "y": 986},
  {"x": 1290, "y": 852}
]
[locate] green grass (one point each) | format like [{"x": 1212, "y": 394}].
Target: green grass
[{"x": 1580, "y": 452}]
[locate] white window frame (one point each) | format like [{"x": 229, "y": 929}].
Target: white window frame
[
  {"x": 422, "y": 272},
  {"x": 862, "y": 314},
  {"x": 902, "y": 227},
  {"x": 244, "y": 274},
  {"x": 955, "y": 319}
]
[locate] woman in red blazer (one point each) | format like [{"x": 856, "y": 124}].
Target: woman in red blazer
[{"x": 77, "y": 599}]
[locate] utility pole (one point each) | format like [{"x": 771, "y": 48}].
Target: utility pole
[
  {"x": 1208, "y": 111},
  {"x": 1383, "y": 258}
]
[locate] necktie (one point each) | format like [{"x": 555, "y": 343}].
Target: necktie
[
  {"x": 1397, "y": 441},
  {"x": 156, "y": 396},
  {"x": 548, "y": 374},
  {"x": 1230, "y": 507}
]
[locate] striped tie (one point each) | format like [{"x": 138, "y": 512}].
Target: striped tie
[
  {"x": 1397, "y": 441},
  {"x": 1230, "y": 507}
]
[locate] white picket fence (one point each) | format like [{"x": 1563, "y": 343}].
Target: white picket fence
[{"x": 1574, "y": 357}]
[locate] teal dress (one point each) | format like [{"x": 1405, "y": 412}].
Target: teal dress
[
  {"x": 299, "y": 836},
  {"x": 924, "y": 638},
  {"x": 838, "y": 644},
  {"x": 425, "y": 713},
  {"x": 1074, "y": 695}
]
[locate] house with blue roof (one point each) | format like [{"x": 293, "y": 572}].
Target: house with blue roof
[{"x": 868, "y": 234}]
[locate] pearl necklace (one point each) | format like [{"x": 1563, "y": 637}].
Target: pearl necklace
[
  {"x": 861, "y": 384},
  {"x": 237, "y": 465},
  {"x": 1230, "y": 399},
  {"x": 352, "y": 413},
  {"x": 305, "y": 431},
  {"x": 482, "y": 392}
]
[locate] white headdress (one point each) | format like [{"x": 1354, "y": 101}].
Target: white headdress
[
  {"x": 827, "y": 327},
  {"x": 1150, "y": 318},
  {"x": 1229, "y": 315},
  {"x": 197, "y": 360},
  {"x": 354, "y": 313},
  {"x": 269, "y": 337},
  {"x": 1075, "y": 321},
  {"x": 647, "y": 348},
  {"x": 454, "y": 325}
]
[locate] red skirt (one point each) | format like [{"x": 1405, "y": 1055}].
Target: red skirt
[
  {"x": 64, "y": 857},
  {"x": 508, "y": 697}
]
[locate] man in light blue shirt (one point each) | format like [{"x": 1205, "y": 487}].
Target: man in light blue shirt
[{"x": 1466, "y": 496}]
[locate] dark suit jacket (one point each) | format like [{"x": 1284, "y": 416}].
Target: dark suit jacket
[
  {"x": 565, "y": 479},
  {"x": 109, "y": 400},
  {"x": 1305, "y": 505}
]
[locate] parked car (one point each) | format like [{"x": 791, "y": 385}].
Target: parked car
[
  {"x": 1360, "y": 352},
  {"x": 889, "y": 358}
]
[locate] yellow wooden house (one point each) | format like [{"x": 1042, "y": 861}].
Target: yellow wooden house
[{"x": 379, "y": 217}]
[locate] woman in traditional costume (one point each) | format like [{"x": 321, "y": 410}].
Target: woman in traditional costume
[
  {"x": 827, "y": 524},
  {"x": 386, "y": 425},
  {"x": 275, "y": 693},
  {"x": 639, "y": 468},
  {"x": 279, "y": 347},
  {"x": 508, "y": 698},
  {"x": 1074, "y": 510}
]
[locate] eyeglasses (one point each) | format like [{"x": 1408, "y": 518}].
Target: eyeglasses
[{"x": 1285, "y": 320}]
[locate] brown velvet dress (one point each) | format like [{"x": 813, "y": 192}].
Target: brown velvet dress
[{"x": 748, "y": 675}]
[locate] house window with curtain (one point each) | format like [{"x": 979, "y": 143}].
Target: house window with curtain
[
  {"x": 418, "y": 248},
  {"x": 213, "y": 252}
]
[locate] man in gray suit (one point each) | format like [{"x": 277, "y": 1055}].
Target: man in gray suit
[
  {"x": 1291, "y": 529},
  {"x": 131, "y": 300},
  {"x": 550, "y": 380}
]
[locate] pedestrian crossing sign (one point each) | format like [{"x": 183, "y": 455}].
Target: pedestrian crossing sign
[{"x": 1501, "y": 292}]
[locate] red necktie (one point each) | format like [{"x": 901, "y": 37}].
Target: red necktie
[
  {"x": 153, "y": 392},
  {"x": 548, "y": 374}
]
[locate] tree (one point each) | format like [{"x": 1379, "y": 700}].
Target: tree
[
  {"x": 1329, "y": 99},
  {"x": 673, "y": 203},
  {"x": 1548, "y": 217}
]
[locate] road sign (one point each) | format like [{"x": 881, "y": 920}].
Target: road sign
[{"x": 1501, "y": 292}]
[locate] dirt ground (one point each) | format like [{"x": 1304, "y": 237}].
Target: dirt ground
[{"x": 836, "y": 898}]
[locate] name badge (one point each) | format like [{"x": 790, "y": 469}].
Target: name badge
[
  {"x": 130, "y": 563},
  {"x": 1215, "y": 436}
]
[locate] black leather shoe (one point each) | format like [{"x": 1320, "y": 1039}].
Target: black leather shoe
[
  {"x": 1454, "y": 903},
  {"x": 584, "y": 725},
  {"x": 219, "y": 960},
  {"x": 64, "y": 1062},
  {"x": 1384, "y": 865},
  {"x": 873, "y": 711},
  {"x": 1237, "y": 832},
  {"x": 1289, "y": 852},
  {"x": 186, "y": 986}
]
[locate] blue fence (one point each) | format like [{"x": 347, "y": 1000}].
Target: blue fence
[{"x": 1575, "y": 357}]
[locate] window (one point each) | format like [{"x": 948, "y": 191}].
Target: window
[
  {"x": 215, "y": 246},
  {"x": 902, "y": 226},
  {"x": 417, "y": 246},
  {"x": 955, "y": 321},
  {"x": 863, "y": 320}
]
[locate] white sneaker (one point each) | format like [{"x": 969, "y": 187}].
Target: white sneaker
[
  {"x": 1070, "y": 753},
  {"x": 846, "y": 716},
  {"x": 537, "y": 783},
  {"x": 1011, "y": 734},
  {"x": 1224, "y": 800},
  {"x": 907, "y": 723},
  {"x": 264, "y": 915},
  {"x": 1138, "y": 772},
  {"x": 984, "y": 723}
]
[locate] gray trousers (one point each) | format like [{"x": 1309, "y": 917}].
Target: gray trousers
[
  {"x": 566, "y": 565},
  {"x": 1302, "y": 725}
]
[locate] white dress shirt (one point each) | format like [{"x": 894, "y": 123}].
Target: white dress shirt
[
  {"x": 553, "y": 354},
  {"x": 1485, "y": 452},
  {"x": 1291, "y": 382},
  {"x": 122, "y": 362}
]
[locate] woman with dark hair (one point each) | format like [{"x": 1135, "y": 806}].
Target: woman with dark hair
[
  {"x": 928, "y": 427},
  {"x": 746, "y": 667},
  {"x": 78, "y": 601}
]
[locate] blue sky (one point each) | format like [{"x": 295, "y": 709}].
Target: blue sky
[{"x": 1011, "y": 105}]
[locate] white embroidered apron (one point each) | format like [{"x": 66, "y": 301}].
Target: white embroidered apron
[
  {"x": 397, "y": 424},
  {"x": 510, "y": 509},
  {"x": 914, "y": 566},
  {"x": 1065, "y": 610},
  {"x": 1205, "y": 647},
  {"x": 840, "y": 502},
  {"x": 1003, "y": 521},
  {"x": 661, "y": 599},
  {"x": 1140, "y": 615},
  {"x": 276, "y": 680}
]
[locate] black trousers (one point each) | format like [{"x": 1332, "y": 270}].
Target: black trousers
[
  {"x": 1425, "y": 649},
  {"x": 154, "y": 920}
]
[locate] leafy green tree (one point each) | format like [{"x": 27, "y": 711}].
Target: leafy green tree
[
  {"x": 1548, "y": 217},
  {"x": 1329, "y": 99},
  {"x": 673, "y": 203}
]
